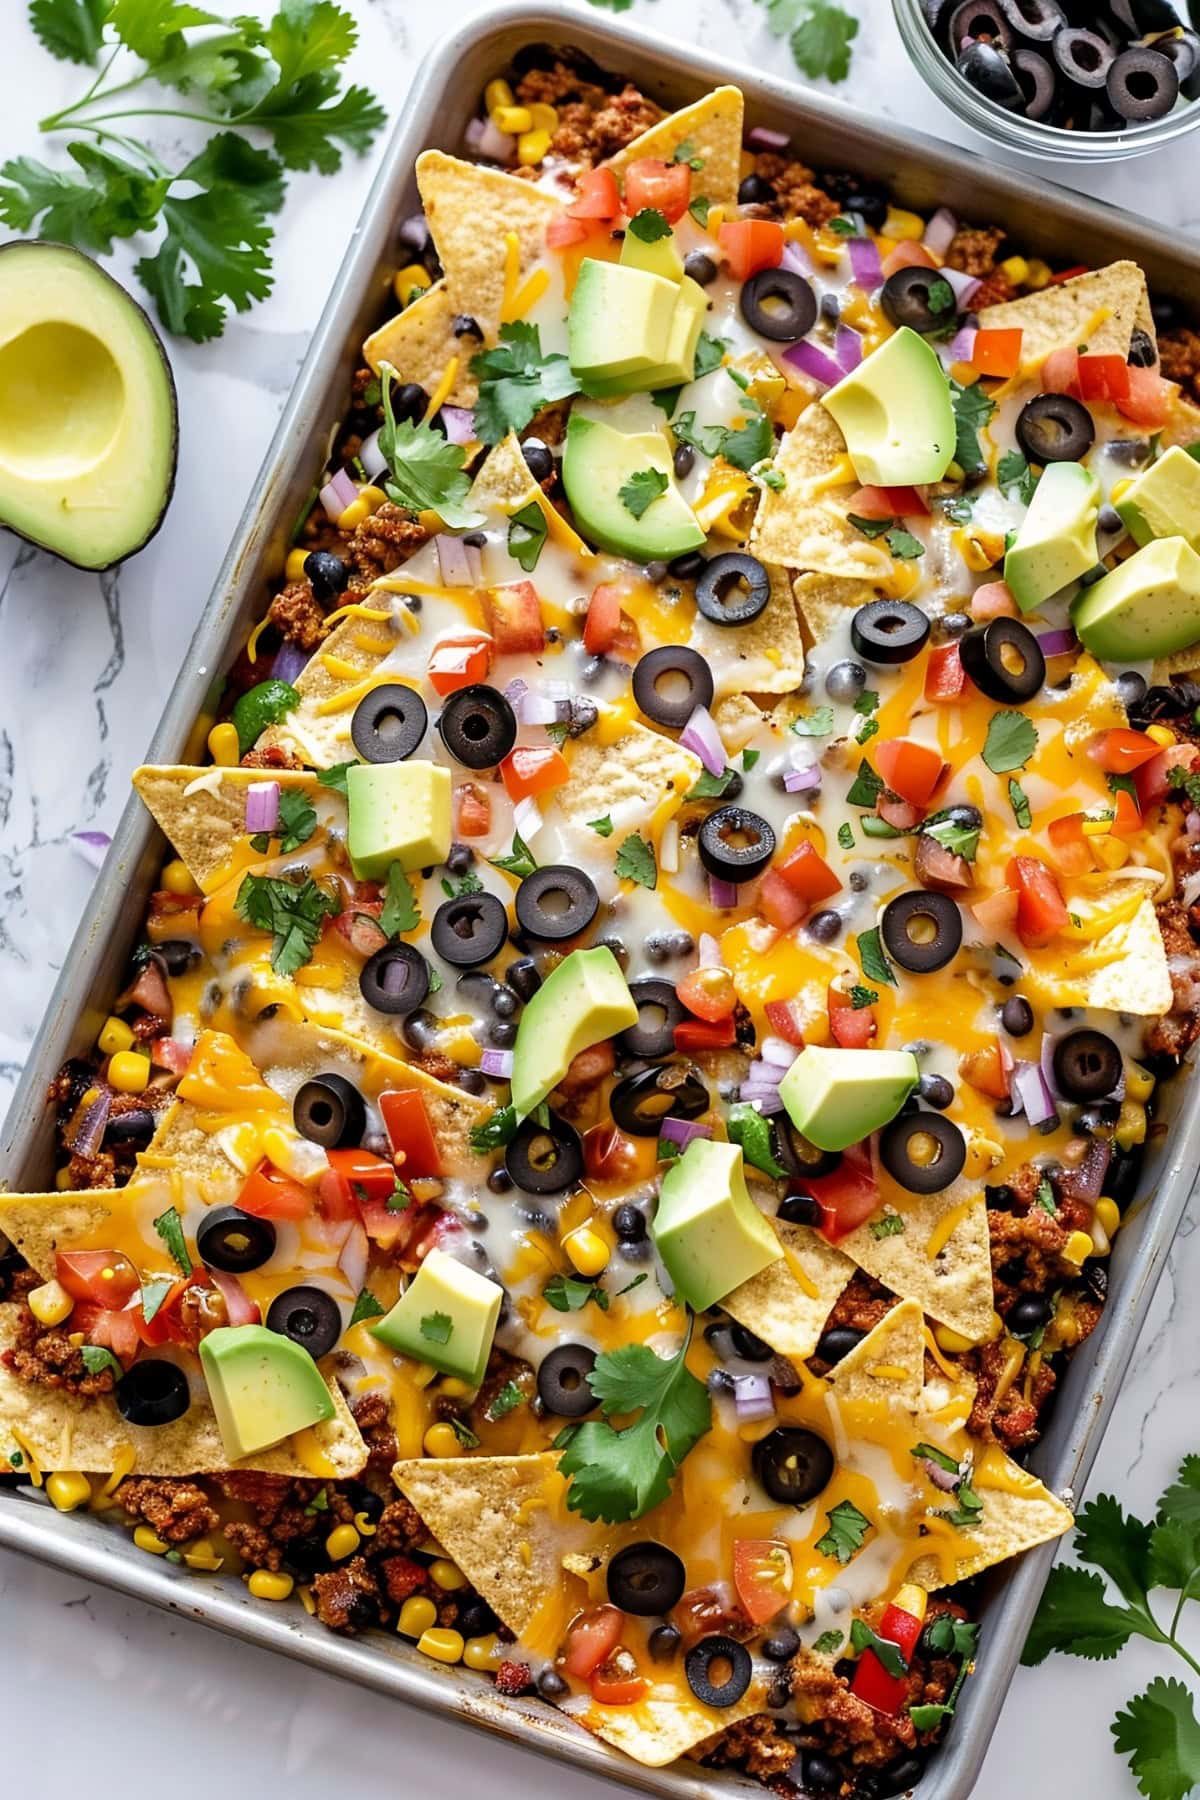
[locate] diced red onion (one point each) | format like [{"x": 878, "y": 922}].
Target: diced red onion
[
  {"x": 761, "y": 137},
  {"x": 864, "y": 261},
  {"x": 1030, "y": 1088},
  {"x": 453, "y": 561},
  {"x": 527, "y": 818},
  {"x": 535, "y": 709},
  {"x": 1058, "y": 643},
  {"x": 848, "y": 347},
  {"x": 753, "y": 1398},
  {"x": 498, "y": 1063},
  {"x": 515, "y": 691},
  {"x": 945, "y": 1480},
  {"x": 797, "y": 781},
  {"x": 940, "y": 231},
  {"x": 961, "y": 347},
  {"x": 682, "y": 1131},
  {"x": 495, "y": 144},
  {"x": 709, "y": 953},
  {"x": 762, "y": 1095},
  {"x": 701, "y": 735},
  {"x": 473, "y": 133},
  {"x": 777, "y": 1050},
  {"x": 88, "y": 1129},
  {"x": 354, "y": 1257},
  {"x": 763, "y": 1074},
  {"x": 965, "y": 286},
  {"x": 415, "y": 230},
  {"x": 92, "y": 846},
  {"x": 288, "y": 661},
  {"x": 459, "y": 422},
  {"x": 796, "y": 258},
  {"x": 338, "y": 493},
  {"x": 722, "y": 894},
  {"x": 814, "y": 363},
  {"x": 1086, "y": 1180},
  {"x": 1047, "y": 1066},
  {"x": 262, "y": 806},
  {"x": 371, "y": 456},
  {"x": 240, "y": 1309}
]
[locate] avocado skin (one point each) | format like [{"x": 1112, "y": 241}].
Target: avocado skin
[{"x": 140, "y": 320}]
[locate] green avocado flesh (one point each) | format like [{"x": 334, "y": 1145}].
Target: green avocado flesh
[
  {"x": 1164, "y": 500},
  {"x": 836, "y": 1097},
  {"x": 88, "y": 427},
  {"x": 1056, "y": 543},
  {"x": 707, "y": 1229},
  {"x": 262, "y": 1387},
  {"x": 896, "y": 414},
  {"x": 598, "y": 464},
  {"x": 1146, "y": 607},
  {"x": 586, "y": 998}
]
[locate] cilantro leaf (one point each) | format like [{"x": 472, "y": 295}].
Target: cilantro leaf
[
  {"x": 871, "y": 528},
  {"x": 149, "y": 27},
  {"x": 500, "y": 1129},
  {"x": 400, "y": 910},
  {"x": 291, "y": 911},
  {"x": 437, "y": 1327},
  {"x": 297, "y": 820},
  {"x": 829, "y": 1642},
  {"x": 96, "y": 1359},
  {"x": 862, "y": 996},
  {"x": 1158, "y": 1733},
  {"x": 509, "y": 1397},
  {"x": 866, "y": 786},
  {"x": 863, "y": 1638},
  {"x": 710, "y": 354},
  {"x": 751, "y": 443},
  {"x": 516, "y": 381},
  {"x": 1181, "y": 1502},
  {"x": 928, "y": 1718},
  {"x": 814, "y": 724},
  {"x": 519, "y": 861},
  {"x": 845, "y": 835},
  {"x": 1174, "y": 1560},
  {"x": 699, "y": 206},
  {"x": 1017, "y": 480},
  {"x": 466, "y": 884},
  {"x": 847, "y": 1529},
  {"x": 641, "y": 490},
  {"x": 302, "y": 108},
  {"x": 602, "y": 827},
  {"x": 400, "y": 1198},
  {"x": 948, "y": 1635},
  {"x": 1075, "y": 1616},
  {"x": 635, "y": 862},
  {"x": 958, "y": 508},
  {"x": 567, "y": 1294},
  {"x": 960, "y": 840},
  {"x": 366, "y": 1307},
  {"x": 875, "y": 965},
  {"x": 1118, "y": 1544},
  {"x": 649, "y": 225},
  {"x": 973, "y": 409},
  {"x": 1011, "y": 741},
  {"x": 526, "y": 535},
  {"x": 154, "y": 1292},
  {"x": 904, "y": 545},
  {"x": 1018, "y": 799},
  {"x": 710, "y": 787},
  {"x": 425, "y": 470},
  {"x": 112, "y": 198},
  {"x": 334, "y": 777},
  {"x": 708, "y": 439},
  {"x": 820, "y": 34},
  {"x": 169, "y": 1227},
  {"x": 888, "y": 1225},
  {"x": 70, "y": 29},
  {"x": 746, "y": 1126}
]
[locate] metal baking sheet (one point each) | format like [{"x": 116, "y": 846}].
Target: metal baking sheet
[{"x": 830, "y": 134}]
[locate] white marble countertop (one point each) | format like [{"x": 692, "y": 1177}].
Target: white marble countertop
[{"x": 93, "y": 1682}]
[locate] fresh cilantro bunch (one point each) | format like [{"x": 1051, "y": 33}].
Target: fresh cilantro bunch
[
  {"x": 1157, "y": 1730},
  {"x": 211, "y": 215},
  {"x": 819, "y": 33}
]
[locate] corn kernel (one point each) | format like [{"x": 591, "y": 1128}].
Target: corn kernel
[
  {"x": 416, "y": 1616},
  {"x": 373, "y": 496},
  {"x": 293, "y": 568},
  {"x": 201, "y": 1554},
  {"x": 912, "y": 1599},
  {"x": 1108, "y": 1214},
  {"x": 1131, "y": 1125},
  {"x": 176, "y": 878},
  {"x": 444, "y": 1646},
  {"x": 532, "y": 147},
  {"x": 900, "y": 225},
  {"x": 128, "y": 1072},
  {"x": 953, "y": 1342},
  {"x": 1017, "y": 270},
  {"x": 454, "y": 1388},
  {"x": 1077, "y": 1248},
  {"x": 413, "y": 275},
  {"x": 50, "y": 1304},
  {"x": 512, "y": 119},
  {"x": 446, "y": 1574},
  {"x": 544, "y": 116},
  {"x": 441, "y": 1440},
  {"x": 1039, "y": 274},
  {"x": 148, "y": 1540},
  {"x": 115, "y": 1035},
  {"x": 1139, "y": 1082},
  {"x": 223, "y": 745},
  {"x": 353, "y": 515},
  {"x": 67, "y": 1490},
  {"x": 1120, "y": 489},
  {"x": 484, "y": 1652},
  {"x": 364, "y": 1526},
  {"x": 265, "y": 1584},
  {"x": 497, "y": 93},
  {"x": 587, "y": 1250},
  {"x": 1161, "y": 735},
  {"x": 64, "y": 1181},
  {"x": 342, "y": 1542}
]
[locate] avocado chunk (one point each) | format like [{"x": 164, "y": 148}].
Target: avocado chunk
[
  {"x": 262, "y": 1387},
  {"x": 707, "y": 1229},
  {"x": 1056, "y": 542},
  {"x": 657, "y": 258},
  {"x": 620, "y": 320},
  {"x": 600, "y": 475},
  {"x": 1164, "y": 500},
  {"x": 1147, "y": 607},
  {"x": 896, "y": 414},
  {"x": 88, "y": 423},
  {"x": 446, "y": 1316},
  {"x": 583, "y": 1001},
  {"x": 398, "y": 812},
  {"x": 838, "y": 1097},
  {"x": 679, "y": 363}
]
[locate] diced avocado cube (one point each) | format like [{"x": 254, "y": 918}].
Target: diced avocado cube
[
  {"x": 707, "y": 1229},
  {"x": 896, "y": 414},
  {"x": 1164, "y": 500},
  {"x": 620, "y": 320},
  {"x": 583, "y": 1001},
  {"x": 1146, "y": 607},
  {"x": 679, "y": 364},
  {"x": 659, "y": 258},
  {"x": 398, "y": 812},
  {"x": 262, "y": 1387},
  {"x": 446, "y": 1316},
  {"x": 598, "y": 464},
  {"x": 836, "y": 1098},
  {"x": 1056, "y": 542}
]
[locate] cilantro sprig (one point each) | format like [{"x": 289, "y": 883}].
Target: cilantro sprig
[
  {"x": 819, "y": 34},
  {"x": 425, "y": 471},
  {"x": 516, "y": 381},
  {"x": 292, "y": 912}
]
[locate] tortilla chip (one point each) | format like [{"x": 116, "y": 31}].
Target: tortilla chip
[
  {"x": 419, "y": 343},
  {"x": 630, "y": 779},
  {"x": 889, "y": 1363},
  {"x": 955, "y": 1286},
  {"x": 667, "y": 1724},
  {"x": 202, "y": 813},
  {"x": 471, "y": 210},
  {"x": 1061, "y": 315},
  {"x": 737, "y": 719},
  {"x": 712, "y": 128},
  {"x": 799, "y": 525},
  {"x": 824, "y": 600},
  {"x": 787, "y": 1303},
  {"x": 318, "y": 730},
  {"x": 1126, "y": 970},
  {"x": 764, "y": 657},
  {"x": 504, "y": 481},
  {"x": 1182, "y": 426},
  {"x": 1009, "y": 1523}
]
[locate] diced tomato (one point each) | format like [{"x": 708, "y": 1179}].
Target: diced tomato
[
  {"x": 993, "y": 601},
  {"x": 458, "y": 660},
  {"x": 1068, "y": 847},
  {"x": 603, "y": 619},
  {"x": 596, "y": 195},
  {"x": 173, "y": 916},
  {"x": 901, "y": 815},
  {"x": 778, "y": 901},
  {"x": 945, "y": 677},
  {"x": 1104, "y": 378},
  {"x": 1041, "y": 910},
  {"x": 105, "y": 1277},
  {"x": 786, "y": 1021},
  {"x": 1127, "y": 819},
  {"x": 750, "y": 245},
  {"x": 592, "y": 1638},
  {"x": 609, "y": 1155},
  {"x": 1153, "y": 779},
  {"x": 762, "y": 1575},
  {"x": 709, "y": 993},
  {"x": 359, "y": 926},
  {"x": 270, "y": 1194},
  {"x": 529, "y": 770},
  {"x": 872, "y": 1683},
  {"x": 474, "y": 809},
  {"x": 997, "y": 912},
  {"x": 563, "y": 231},
  {"x": 112, "y": 1328},
  {"x": 887, "y": 503},
  {"x": 390, "y": 1228},
  {"x": 910, "y": 769},
  {"x": 373, "y": 1174},
  {"x": 514, "y": 614},
  {"x": 336, "y": 1197},
  {"x": 1120, "y": 751},
  {"x": 169, "y": 1053},
  {"x": 617, "y": 1683},
  {"x": 1149, "y": 399},
  {"x": 997, "y": 352},
  {"x": 852, "y": 1027},
  {"x": 410, "y": 1134},
  {"x": 667, "y": 187},
  {"x": 908, "y": 254},
  {"x": 846, "y": 1197},
  {"x": 808, "y": 874},
  {"x": 1060, "y": 373},
  {"x": 988, "y": 1070},
  {"x": 164, "y": 1325},
  {"x": 240, "y": 1309},
  {"x": 706, "y": 1034}
]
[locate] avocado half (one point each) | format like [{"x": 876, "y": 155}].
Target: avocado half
[{"x": 89, "y": 427}]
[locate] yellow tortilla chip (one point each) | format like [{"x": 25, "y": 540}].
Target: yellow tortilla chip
[
  {"x": 1123, "y": 970},
  {"x": 630, "y": 779},
  {"x": 764, "y": 657},
  {"x": 668, "y": 1722},
  {"x": 737, "y": 719},
  {"x": 202, "y": 813},
  {"x": 1018, "y": 1512},
  {"x": 1099, "y": 309},
  {"x": 802, "y": 525},
  {"x": 889, "y": 1363},
  {"x": 712, "y": 129},
  {"x": 419, "y": 343},
  {"x": 787, "y": 1303},
  {"x": 505, "y": 484},
  {"x": 942, "y": 1258},
  {"x": 471, "y": 210},
  {"x": 824, "y": 599}
]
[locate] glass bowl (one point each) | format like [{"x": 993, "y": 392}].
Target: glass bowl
[{"x": 1029, "y": 135}]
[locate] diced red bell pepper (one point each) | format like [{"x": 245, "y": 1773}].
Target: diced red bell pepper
[
  {"x": 169, "y": 1053},
  {"x": 778, "y": 901},
  {"x": 592, "y": 1639},
  {"x": 1068, "y": 847},
  {"x": 708, "y": 993},
  {"x": 457, "y": 661},
  {"x": 887, "y": 503},
  {"x": 1060, "y": 373},
  {"x": 335, "y": 1197},
  {"x": 808, "y": 874},
  {"x": 596, "y": 195},
  {"x": 706, "y": 1034},
  {"x": 1153, "y": 779},
  {"x": 1041, "y": 909},
  {"x": 749, "y": 245},
  {"x": 603, "y": 620},
  {"x": 872, "y": 1683},
  {"x": 563, "y": 231},
  {"x": 945, "y": 677},
  {"x": 762, "y": 1575},
  {"x": 910, "y": 769},
  {"x": 373, "y": 1174},
  {"x": 667, "y": 187},
  {"x": 530, "y": 770},
  {"x": 1104, "y": 378},
  {"x": 1149, "y": 399},
  {"x": 163, "y": 1327},
  {"x": 997, "y": 352},
  {"x": 1120, "y": 751},
  {"x": 993, "y": 601},
  {"x": 268, "y": 1193},
  {"x": 786, "y": 1021},
  {"x": 1069, "y": 274},
  {"x": 515, "y": 616},
  {"x": 846, "y": 1197},
  {"x": 105, "y": 1277},
  {"x": 852, "y": 1027},
  {"x": 1127, "y": 819},
  {"x": 474, "y": 810},
  {"x": 410, "y": 1134},
  {"x": 908, "y": 254}
]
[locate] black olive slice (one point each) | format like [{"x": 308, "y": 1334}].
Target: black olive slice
[
  {"x": 922, "y": 931},
  {"x": 545, "y": 1159},
  {"x": 389, "y": 723},
  {"x": 562, "y": 1382},
  {"x": 670, "y": 683},
  {"x": 1084, "y": 57},
  {"x": 800, "y": 1209},
  {"x": 889, "y": 631},
  {"x": 794, "y": 312},
  {"x": 1142, "y": 85},
  {"x": 987, "y": 71},
  {"x": 660, "y": 1010},
  {"x": 646, "y": 1580},
  {"x": 700, "y": 268},
  {"x": 1004, "y": 660},
  {"x": 718, "y": 1669},
  {"x": 922, "y": 299},
  {"x": 734, "y": 844},
  {"x": 1038, "y": 79},
  {"x": 152, "y": 1391},
  {"x": 309, "y": 1316},
  {"x": 234, "y": 1241},
  {"x": 1055, "y": 428},
  {"x": 793, "y": 1464},
  {"x": 1038, "y": 20},
  {"x": 794, "y": 1152},
  {"x": 641, "y": 1102},
  {"x": 1087, "y": 1065},
  {"x": 478, "y": 726},
  {"x": 732, "y": 589},
  {"x": 395, "y": 979},
  {"x": 329, "y": 1110},
  {"x": 556, "y": 903},
  {"x": 980, "y": 19},
  {"x": 469, "y": 930},
  {"x": 922, "y": 1151}
]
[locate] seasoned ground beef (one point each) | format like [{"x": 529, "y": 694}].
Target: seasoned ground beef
[
  {"x": 399, "y": 1528},
  {"x": 254, "y": 1546},
  {"x": 755, "y": 1744},
  {"x": 442, "y": 1068},
  {"x": 861, "y": 1304},
  {"x": 347, "y": 1598},
  {"x": 384, "y": 540},
  {"x": 373, "y": 1417},
  {"x": 993, "y": 290},
  {"x": 797, "y": 195},
  {"x": 46, "y": 1356},
  {"x": 95, "y": 1171},
  {"x": 844, "y": 1725},
  {"x": 175, "y": 1510},
  {"x": 298, "y": 616},
  {"x": 1179, "y": 351},
  {"x": 271, "y": 758},
  {"x": 550, "y": 87},
  {"x": 1175, "y": 1034},
  {"x": 973, "y": 249},
  {"x": 588, "y": 131},
  {"x": 1011, "y": 1421}
]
